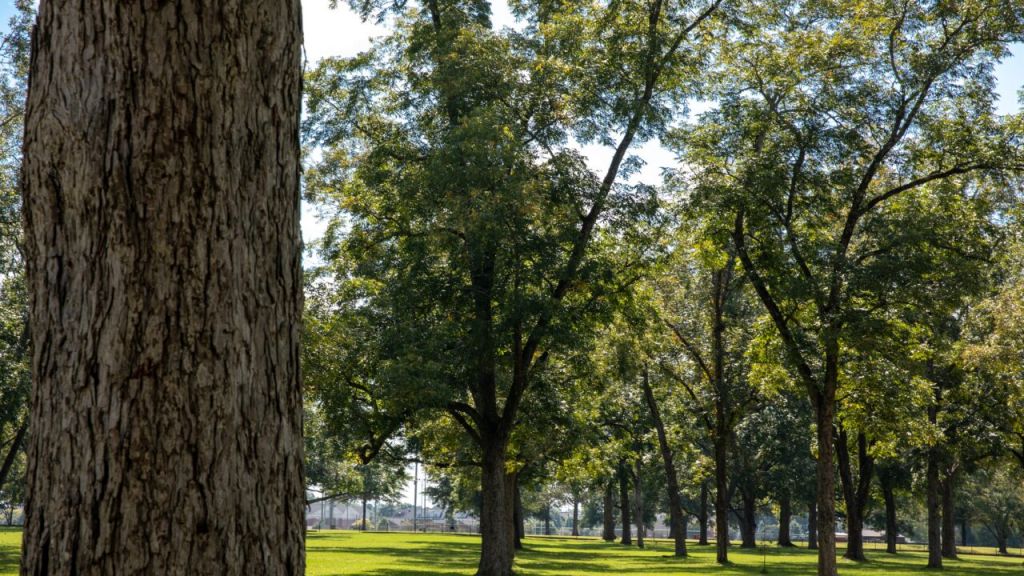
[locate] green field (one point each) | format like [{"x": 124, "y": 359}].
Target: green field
[
  {"x": 343, "y": 553},
  {"x": 395, "y": 554}
]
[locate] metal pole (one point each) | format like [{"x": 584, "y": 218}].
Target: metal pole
[{"x": 415, "y": 488}]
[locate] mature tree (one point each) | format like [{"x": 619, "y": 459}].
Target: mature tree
[
  {"x": 449, "y": 151},
  {"x": 14, "y": 334},
  {"x": 706, "y": 317},
  {"x": 849, "y": 146},
  {"x": 161, "y": 210},
  {"x": 996, "y": 496}
]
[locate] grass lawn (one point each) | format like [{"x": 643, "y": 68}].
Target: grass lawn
[
  {"x": 374, "y": 554},
  {"x": 344, "y": 553}
]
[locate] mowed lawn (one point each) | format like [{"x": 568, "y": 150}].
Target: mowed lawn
[
  {"x": 344, "y": 553},
  {"x": 336, "y": 553}
]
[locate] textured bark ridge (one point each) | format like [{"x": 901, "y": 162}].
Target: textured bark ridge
[{"x": 161, "y": 184}]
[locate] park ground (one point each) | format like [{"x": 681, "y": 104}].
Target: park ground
[{"x": 336, "y": 553}]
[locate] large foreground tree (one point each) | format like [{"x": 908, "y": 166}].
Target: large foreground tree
[{"x": 161, "y": 189}]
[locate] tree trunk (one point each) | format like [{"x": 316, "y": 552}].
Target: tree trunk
[
  {"x": 891, "y": 527},
  {"x": 934, "y": 512},
  {"x": 965, "y": 531},
  {"x": 675, "y": 504},
  {"x": 362, "y": 525},
  {"x": 721, "y": 499},
  {"x": 497, "y": 545},
  {"x": 702, "y": 515},
  {"x": 575, "y": 516},
  {"x": 855, "y": 492},
  {"x": 948, "y": 485},
  {"x": 1001, "y": 542},
  {"x": 161, "y": 209},
  {"x": 547, "y": 519},
  {"x": 12, "y": 452},
  {"x": 517, "y": 516},
  {"x": 785, "y": 516},
  {"x": 638, "y": 500},
  {"x": 748, "y": 521},
  {"x": 824, "y": 409},
  {"x": 812, "y": 525},
  {"x": 627, "y": 537},
  {"x": 608, "y": 533}
]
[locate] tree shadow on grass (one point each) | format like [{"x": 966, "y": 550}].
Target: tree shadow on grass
[
  {"x": 10, "y": 560},
  {"x": 548, "y": 557}
]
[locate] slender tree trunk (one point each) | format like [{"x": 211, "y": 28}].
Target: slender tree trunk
[
  {"x": 161, "y": 210},
  {"x": 575, "y": 516},
  {"x": 856, "y": 492},
  {"x": 891, "y": 527},
  {"x": 627, "y": 537},
  {"x": 948, "y": 485},
  {"x": 497, "y": 546},
  {"x": 608, "y": 534},
  {"x": 824, "y": 408},
  {"x": 12, "y": 452},
  {"x": 785, "y": 516},
  {"x": 702, "y": 516},
  {"x": 362, "y": 525},
  {"x": 965, "y": 530},
  {"x": 547, "y": 519},
  {"x": 517, "y": 516},
  {"x": 748, "y": 521},
  {"x": 671, "y": 479},
  {"x": 638, "y": 500},
  {"x": 721, "y": 499},
  {"x": 934, "y": 511},
  {"x": 812, "y": 525}
]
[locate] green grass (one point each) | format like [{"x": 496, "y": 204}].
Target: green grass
[
  {"x": 345, "y": 553},
  {"x": 374, "y": 554}
]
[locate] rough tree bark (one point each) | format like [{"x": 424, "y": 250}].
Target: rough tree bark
[
  {"x": 497, "y": 546},
  {"x": 608, "y": 533},
  {"x": 161, "y": 207}
]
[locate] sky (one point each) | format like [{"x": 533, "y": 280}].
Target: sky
[{"x": 339, "y": 32}]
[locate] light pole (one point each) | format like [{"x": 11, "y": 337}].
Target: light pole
[{"x": 415, "y": 490}]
